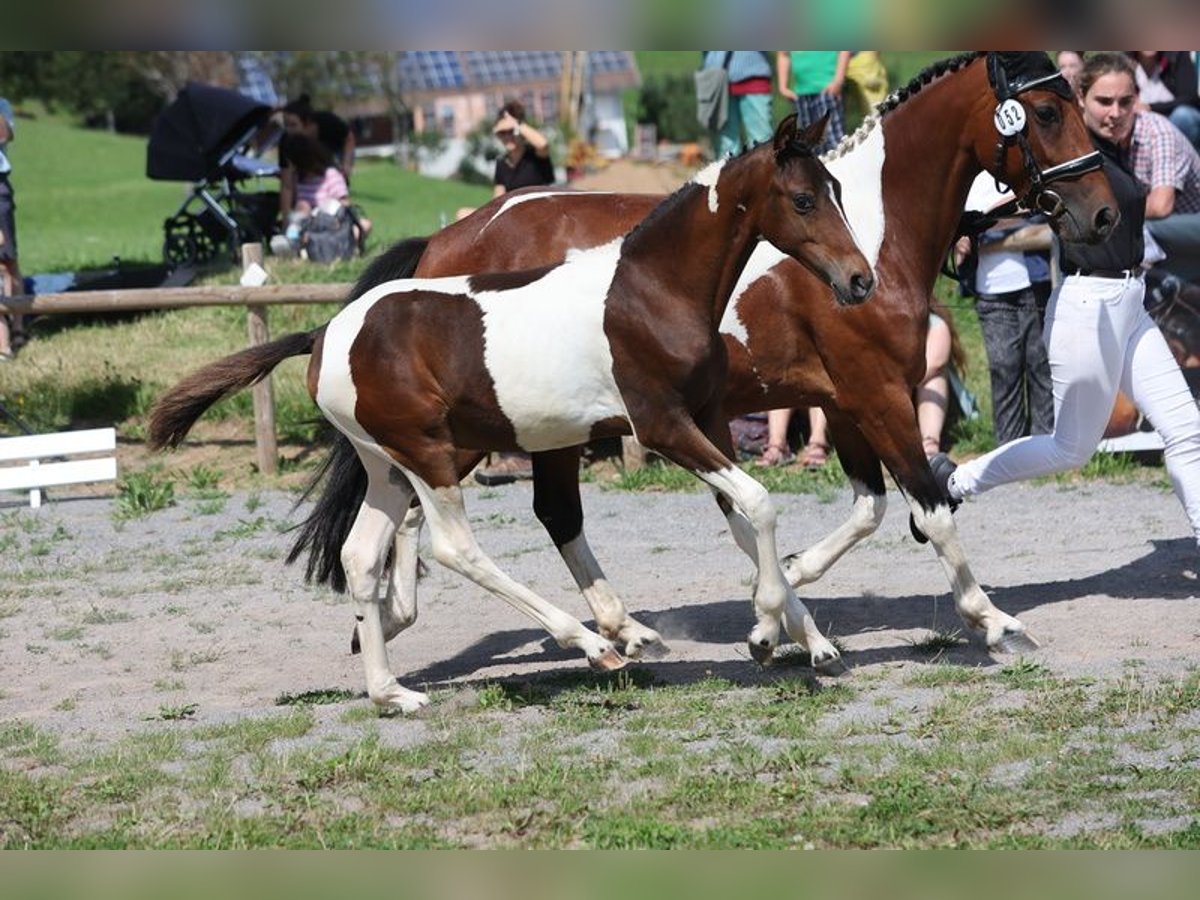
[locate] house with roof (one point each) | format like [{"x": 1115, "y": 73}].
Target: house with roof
[{"x": 456, "y": 91}]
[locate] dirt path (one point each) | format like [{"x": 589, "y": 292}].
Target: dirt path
[{"x": 104, "y": 625}]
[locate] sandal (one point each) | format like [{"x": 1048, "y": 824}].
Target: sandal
[
  {"x": 775, "y": 455},
  {"x": 815, "y": 455}
]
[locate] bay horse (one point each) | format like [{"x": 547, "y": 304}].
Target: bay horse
[
  {"x": 618, "y": 339},
  {"x": 905, "y": 175}
]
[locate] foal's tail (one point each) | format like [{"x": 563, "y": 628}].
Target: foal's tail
[
  {"x": 341, "y": 479},
  {"x": 177, "y": 411}
]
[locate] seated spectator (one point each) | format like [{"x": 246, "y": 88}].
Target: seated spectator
[
  {"x": 318, "y": 185},
  {"x": 1167, "y": 85},
  {"x": 326, "y": 128}
]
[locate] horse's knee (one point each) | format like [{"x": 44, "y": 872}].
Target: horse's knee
[{"x": 867, "y": 513}]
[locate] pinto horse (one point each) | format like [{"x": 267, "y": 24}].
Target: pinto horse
[
  {"x": 905, "y": 175},
  {"x": 618, "y": 339}
]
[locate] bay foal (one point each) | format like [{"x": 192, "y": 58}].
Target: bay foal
[{"x": 619, "y": 339}]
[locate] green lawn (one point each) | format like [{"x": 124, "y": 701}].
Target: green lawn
[{"x": 83, "y": 197}]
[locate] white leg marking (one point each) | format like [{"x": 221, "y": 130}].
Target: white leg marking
[
  {"x": 454, "y": 546},
  {"x": 773, "y": 596},
  {"x": 866, "y": 514},
  {"x": 979, "y": 614},
  {"x": 612, "y": 619},
  {"x": 362, "y": 558}
]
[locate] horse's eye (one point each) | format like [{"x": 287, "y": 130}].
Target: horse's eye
[
  {"x": 804, "y": 203},
  {"x": 1047, "y": 114}
]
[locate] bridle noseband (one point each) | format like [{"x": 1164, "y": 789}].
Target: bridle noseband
[{"x": 1013, "y": 129}]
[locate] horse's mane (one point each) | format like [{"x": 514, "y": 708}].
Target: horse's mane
[
  {"x": 897, "y": 97},
  {"x": 794, "y": 150},
  {"x": 925, "y": 77}
]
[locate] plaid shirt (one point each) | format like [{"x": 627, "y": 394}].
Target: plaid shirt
[{"x": 1161, "y": 156}]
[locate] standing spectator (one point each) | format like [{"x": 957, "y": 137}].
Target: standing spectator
[
  {"x": 526, "y": 160},
  {"x": 944, "y": 361},
  {"x": 749, "y": 99},
  {"x": 1099, "y": 336},
  {"x": 1010, "y": 304},
  {"x": 1070, "y": 63},
  {"x": 1167, "y": 84},
  {"x": 525, "y": 163},
  {"x": 1161, "y": 158},
  {"x": 813, "y": 81},
  {"x": 10, "y": 331},
  {"x": 323, "y": 126},
  {"x": 867, "y": 80}
]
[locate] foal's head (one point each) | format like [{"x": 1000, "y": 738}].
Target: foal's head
[
  {"x": 1030, "y": 135},
  {"x": 803, "y": 214}
]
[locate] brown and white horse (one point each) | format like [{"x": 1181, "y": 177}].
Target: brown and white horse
[
  {"x": 618, "y": 339},
  {"x": 905, "y": 176}
]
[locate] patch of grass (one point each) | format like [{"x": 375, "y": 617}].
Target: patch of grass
[
  {"x": 656, "y": 476},
  {"x": 320, "y": 697},
  {"x": 1025, "y": 674},
  {"x": 936, "y": 643},
  {"x": 97, "y": 616},
  {"x": 141, "y": 493},
  {"x": 177, "y": 712}
]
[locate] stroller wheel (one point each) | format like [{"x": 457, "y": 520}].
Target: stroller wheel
[{"x": 186, "y": 243}]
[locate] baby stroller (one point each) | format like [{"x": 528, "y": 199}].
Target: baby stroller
[{"x": 214, "y": 138}]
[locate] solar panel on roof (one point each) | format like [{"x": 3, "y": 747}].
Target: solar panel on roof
[{"x": 430, "y": 69}]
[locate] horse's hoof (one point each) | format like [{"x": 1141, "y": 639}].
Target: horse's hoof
[
  {"x": 833, "y": 666},
  {"x": 608, "y": 661},
  {"x": 647, "y": 648},
  {"x": 761, "y": 652},
  {"x": 1015, "y": 643},
  {"x": 398, "y": 698}
]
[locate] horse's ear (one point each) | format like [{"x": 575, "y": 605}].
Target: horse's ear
[
  {"x": 785, "y": 134},
  {"x": 815, "y": 133}
]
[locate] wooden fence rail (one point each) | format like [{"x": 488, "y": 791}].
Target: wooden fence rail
[{"x": 255, "y": 299}]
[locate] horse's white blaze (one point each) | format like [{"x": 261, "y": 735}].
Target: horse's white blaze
[
  {"x": 860, "y": 172},
  {"x": 553, "y": 399},
  {"x": 525, "y": 198},
  {"x": 707, "y": 177}
]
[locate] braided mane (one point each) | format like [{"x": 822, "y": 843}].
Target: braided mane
[{"x": 925, "y": 77}]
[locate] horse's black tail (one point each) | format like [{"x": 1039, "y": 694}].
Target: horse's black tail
[
  {"x": 177, "y": 411},
  {"x": 343, "y": 482},
  {"x": 342, "y": 478}
]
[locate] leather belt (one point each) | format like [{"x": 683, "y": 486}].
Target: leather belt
[{"x": 1107, "y": 273}]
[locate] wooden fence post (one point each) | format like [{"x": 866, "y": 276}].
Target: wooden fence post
[{"x": 266, "y": 450}]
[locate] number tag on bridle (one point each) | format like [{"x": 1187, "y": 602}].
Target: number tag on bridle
[{"x": 1010, "y": 118}]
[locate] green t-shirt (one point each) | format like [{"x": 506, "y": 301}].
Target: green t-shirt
[{"x": 812, "y": 70}]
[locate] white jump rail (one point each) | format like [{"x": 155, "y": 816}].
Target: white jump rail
[{"x": 27, "y": 471}]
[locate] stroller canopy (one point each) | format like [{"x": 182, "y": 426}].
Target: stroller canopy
[{"x": 193, "y": 137}]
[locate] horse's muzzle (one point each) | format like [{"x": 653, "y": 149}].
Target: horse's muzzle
[{"x": 861, "y": 287}]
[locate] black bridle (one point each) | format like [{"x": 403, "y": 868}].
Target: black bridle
[{"x": 1013, "y": 128}]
